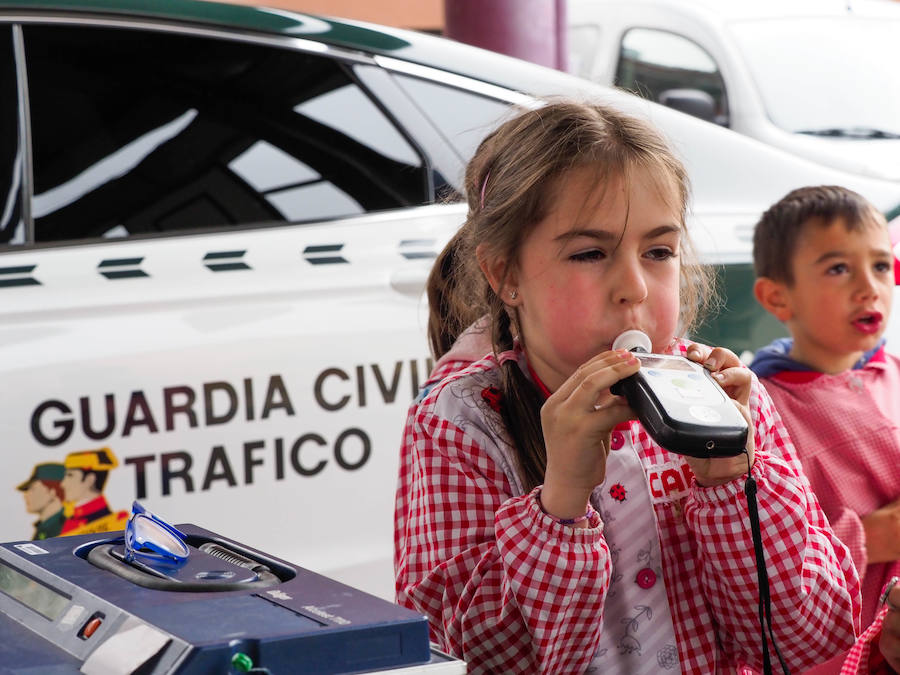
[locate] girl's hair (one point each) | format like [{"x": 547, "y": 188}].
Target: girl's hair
[{"x": 509, "y": 185}]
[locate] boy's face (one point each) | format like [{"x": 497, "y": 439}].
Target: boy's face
[{"x": 840, "y": 301}]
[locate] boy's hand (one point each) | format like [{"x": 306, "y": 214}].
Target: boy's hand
[
  {"x": 882, "y": 528},
  {"x": 889, "y": 642},
  {"x": 735, "y": 379}
]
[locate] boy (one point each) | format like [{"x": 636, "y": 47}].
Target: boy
[
  {"x": 825, "y": 268},
  {"x": 877, "y": 652}
]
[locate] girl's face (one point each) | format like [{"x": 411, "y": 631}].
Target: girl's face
[{"x": 605, "y": 259}]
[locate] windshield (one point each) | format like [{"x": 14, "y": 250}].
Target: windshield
[{"x": 826, "y": 75}]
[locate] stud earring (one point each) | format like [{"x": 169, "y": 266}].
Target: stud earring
[{"x": 513, "y": 294}]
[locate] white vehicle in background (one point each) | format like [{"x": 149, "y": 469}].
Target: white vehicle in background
[
  {"x": 217, "y": 228},
  {"x": 818, "y": 78}
]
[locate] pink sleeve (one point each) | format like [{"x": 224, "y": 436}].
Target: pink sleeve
[
  {"x": 504, "y": 586},
  {"x": 814, "y": 588},
  {"x": 848, "y": 527}
]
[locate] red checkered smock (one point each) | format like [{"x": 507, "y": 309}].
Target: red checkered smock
[
  {"x": 509, "y": 590},
  {"x": 865, "y": 658}
]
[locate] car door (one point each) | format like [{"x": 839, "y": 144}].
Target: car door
[{"x": 207, "y": 279}]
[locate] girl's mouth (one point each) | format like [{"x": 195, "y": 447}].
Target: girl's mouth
[{"x": 868, "y": 323}]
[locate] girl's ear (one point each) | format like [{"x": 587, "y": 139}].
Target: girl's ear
[
  {"x": 774, "y": 297},
  {"x": 501, "y": 277}
]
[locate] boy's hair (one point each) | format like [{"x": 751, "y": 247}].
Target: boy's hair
[
  {"x": 510, "y": 184},
  {"x": 776, "y": 234}
]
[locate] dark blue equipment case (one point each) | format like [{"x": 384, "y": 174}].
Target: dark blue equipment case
[{"x": 63, "y": 613}]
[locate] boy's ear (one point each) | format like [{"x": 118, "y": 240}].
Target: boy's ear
[
  {"x": 772, "y": 295},
  {"x": 501, "y": 278}
]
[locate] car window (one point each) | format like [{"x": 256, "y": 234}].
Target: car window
[
  {"x": 654, "y": 63},
  {"x": 149, "y": 132},
  {"x": 851, "y": 94},
  {"x": 463, "y": 117},
  {"x": 11, "y": 230}
]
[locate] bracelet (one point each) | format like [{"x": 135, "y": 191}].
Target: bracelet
[{"x": 564, "y": 521}]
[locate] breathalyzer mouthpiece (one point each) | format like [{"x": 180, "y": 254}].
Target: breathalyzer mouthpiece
[{"x": 634, "y": 341}]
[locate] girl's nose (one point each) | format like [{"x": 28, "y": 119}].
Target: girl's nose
[{"x": 629, "y": 286}]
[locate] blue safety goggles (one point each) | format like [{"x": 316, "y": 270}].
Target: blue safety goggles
[{"x": 150, "y": 539}]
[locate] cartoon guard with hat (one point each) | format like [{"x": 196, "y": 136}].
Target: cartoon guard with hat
[
  {"x": 86, "y": 508},
  {"x": 43, "y": 494}
]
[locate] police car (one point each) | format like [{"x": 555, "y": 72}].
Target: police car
[
  {"x": 216, "y": 228},
  {"x": 764, "y": 69}
]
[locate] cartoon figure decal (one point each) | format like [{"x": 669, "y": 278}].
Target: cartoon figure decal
[
  {"x": 68, "y": 497},
  {"x": 44, "y": 496},
  {"x": 86, "y": 508}
]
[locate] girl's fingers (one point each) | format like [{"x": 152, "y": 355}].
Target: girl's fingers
[
  {"x": 720, "y": 358},
  {"x": 713, "y": 359},
  {"x": 736, "y": 382},
  {"x": 588, "y": 387},
  {"x": 614, "y": 412},
  {"x": 698, "y": 353},
  {"x": 586, "y": 370}
]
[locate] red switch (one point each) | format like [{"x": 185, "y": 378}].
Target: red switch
[{"x": 91, "y": 625}]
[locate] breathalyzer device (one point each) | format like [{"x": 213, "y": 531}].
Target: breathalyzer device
[{"x": 679, "y": 403}]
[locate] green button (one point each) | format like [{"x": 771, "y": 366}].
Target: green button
[{"x": 242, "y": 663}]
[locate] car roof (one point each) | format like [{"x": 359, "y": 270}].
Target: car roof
[
  {"x": 742, "y": 10},
  {"x": 395, "y": 47},
  {"x": 412, "y": 46},
  {"x": 208, "y": 13}
]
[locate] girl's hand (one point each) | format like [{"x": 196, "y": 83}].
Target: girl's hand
[
  {"x": 713, "y": 358},
  {"x": 577, "y": 420},
  {"x": 729, "y": 372}
]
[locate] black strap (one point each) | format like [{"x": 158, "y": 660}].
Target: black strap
[{"x": 762, "y": 576}]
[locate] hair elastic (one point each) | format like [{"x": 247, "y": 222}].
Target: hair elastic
[
  {"x": 564, "y": 521},
  {"x": 508, "y": 355},
  {"x": 484, "y": 187}
]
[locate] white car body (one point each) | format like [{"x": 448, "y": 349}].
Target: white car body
[
  {"x": 255, "y": 380},
  {"x": 825, "y": 66}
]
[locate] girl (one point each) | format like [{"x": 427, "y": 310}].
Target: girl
[{"x": 538, "y": 526}]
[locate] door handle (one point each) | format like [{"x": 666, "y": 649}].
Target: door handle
[{"x": 410, "y": 280}]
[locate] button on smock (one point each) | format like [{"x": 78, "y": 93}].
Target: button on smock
[{"x": 646, "y": 578}]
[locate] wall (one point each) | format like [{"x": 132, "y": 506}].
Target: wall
[{"x": 418, "y": 14}]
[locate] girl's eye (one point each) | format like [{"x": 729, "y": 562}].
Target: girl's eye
[
  {"x": 840, "y": 268},
  {"x": 661, "y": 253},
  {"x": 589, "y": 255},
  {"x": 884, "y": 267}
]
